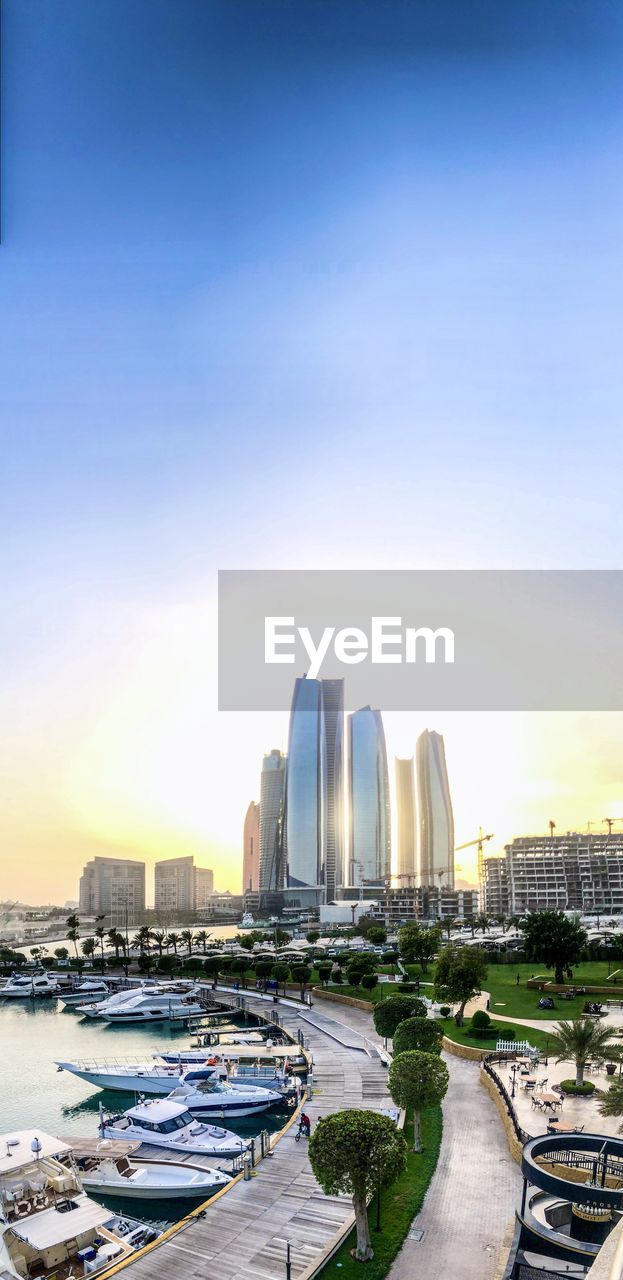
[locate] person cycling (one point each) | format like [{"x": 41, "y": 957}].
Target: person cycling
[{"x": 304, "y": 1125}]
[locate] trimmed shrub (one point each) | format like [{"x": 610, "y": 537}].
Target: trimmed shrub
[
  {"x": 492, "y": 1032},
  {"x": 445, "y": 1011},
  {"x": 481, "y": 1019},
  {"x": 423, "y": 1034},
  {"x": 353, "y": 977},
  {"x": 578, "y": 1090},
  {"x": 369, "y": 981}
]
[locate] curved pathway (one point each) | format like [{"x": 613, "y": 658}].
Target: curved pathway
[{"x": 472, "y": 1197}]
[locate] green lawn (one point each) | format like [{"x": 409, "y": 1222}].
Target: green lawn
[
  {"x": 513, "y": 1000},
  {"x": 538, "y": 1039},
  {"x": 399, "y": 1205}
]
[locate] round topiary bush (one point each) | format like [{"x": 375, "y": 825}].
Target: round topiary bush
[
  {"x": 445, "y": 1011},
  {"x": 577, "y": 1090},
  {"x": 424, "y": 1034},
  {"x": 369, "y": 981},
  {"x": 481, "y": 1019},
  {"x": 354, "y": 977}
]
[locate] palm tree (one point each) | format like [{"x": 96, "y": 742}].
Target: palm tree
[
  {"x": 611, "y": 1103},
  {"x": 172, "y": 940},
  {"x": 144, "y": 937},
  {"x": 187, "y": 938},
  {"x": 73, "y": 931},
  {"x": 116, "y": 940},
  {"x": 482, "y": 922},
  {"x": 100, "y": 934},
  {"x": 88, "y": 947},
  {"x": 202, "y": 939},
  {"x": 578, "y": 1042},
  {"x": 160, "y": 938}
]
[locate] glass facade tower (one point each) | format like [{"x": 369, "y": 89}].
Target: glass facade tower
[
  {"x": 333, "y": 721},
  {"x": 435, "y": 817},
  {"x": 272, "y": 794},
  {"x": 368, "y": 796},
  {"x": 405, "y": 805},
  {"x": 305, "y": 810}
]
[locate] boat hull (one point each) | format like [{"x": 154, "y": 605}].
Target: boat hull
[{"x": 225, "y": 1149}]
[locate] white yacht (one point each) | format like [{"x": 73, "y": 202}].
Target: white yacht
[
  {"x": 167, "y": 1122},
  {"x": 49, "y": 1227},
  {"x": 206, "y": 1098},
  {"x": 112, "y": 1168},
  {"x": 26, "y": 986},
  {"x": 265, "y": 1055},
  {"x": 170, "y": 1001},
  {"x": 91, "y": 990},
  {"x": 131, "y": 1075}
]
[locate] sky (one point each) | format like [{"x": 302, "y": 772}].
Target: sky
[{"x": 289, "y": 286}]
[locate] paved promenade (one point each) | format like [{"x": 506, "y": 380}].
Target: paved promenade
[
  {"x": 473, "y": 1194},
  {"x": 243, "y": 1235}
]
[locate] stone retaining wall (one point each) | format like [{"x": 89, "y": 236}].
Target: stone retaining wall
[
  {"x": 514, "y": 1145},
  {"x": 320, "y": 992},
  {"x": 468, "y": 1051}
]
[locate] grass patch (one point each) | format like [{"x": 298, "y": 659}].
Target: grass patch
[
  {"x": 538, "y": 1039},
  {"x": 399, "y": 1205}
]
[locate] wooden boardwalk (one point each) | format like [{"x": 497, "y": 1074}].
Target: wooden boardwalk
[{"x": 243, "y": 1234}]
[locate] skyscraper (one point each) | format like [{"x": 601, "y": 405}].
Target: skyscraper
[
  {"x": 405, "y": 806},
  {"x": 113, "y": 887},
  {"x": 174, "y": 885},
  {"x": 435, "y": 817},
  {"x": 251, "y": 848},
  {"x": 333, "y": 722},
  {"x": 272, "y": 796},
  {"x": 368, "y": 797},
  {"x": 305, "y": 810}
]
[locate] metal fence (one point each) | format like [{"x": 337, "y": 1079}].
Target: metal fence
[{"x": 488, "y": 1064}]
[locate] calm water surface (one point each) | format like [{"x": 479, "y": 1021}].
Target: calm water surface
[{"x": 33, "y": 1094}]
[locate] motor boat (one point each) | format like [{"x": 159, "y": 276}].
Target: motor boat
[
  {"x": 92, "y": 989},
  {"x": 266, "y": 1054},
  {"x": 49, "y": 1227},
  {"x": 167, "y": 1122},
  {"x": 27, "y": 986},
  {"x": 158, "y": 1077},
  {"x": 167, "y": 1002},
  {"x": 205, "y": 1098},
  {"x": 108, "y": 1172}
]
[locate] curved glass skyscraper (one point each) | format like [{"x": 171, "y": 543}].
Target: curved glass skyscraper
[
  {"x": 368, "y": 794},
  {"x": 333, "y": 720},
  {"x": 435, "y": 817},
  {"x": 305, "y": 810},
  {"x": 405, "y": 808}
]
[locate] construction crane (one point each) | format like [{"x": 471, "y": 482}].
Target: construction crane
[
  {"x": 552, "y": 828},
  {"x": 611, "y": 822},
  {"x": 480, "y": 841}
]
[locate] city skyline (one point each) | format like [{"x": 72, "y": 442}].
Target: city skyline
[{"x": 296, "y": 302}]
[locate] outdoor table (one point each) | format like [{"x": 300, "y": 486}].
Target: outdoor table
[
  {"x": 557, "y": 1126},
  {"x": 550, "y": 1097}
]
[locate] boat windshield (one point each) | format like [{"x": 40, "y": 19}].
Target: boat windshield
[{"x": 176, "y": 1122}]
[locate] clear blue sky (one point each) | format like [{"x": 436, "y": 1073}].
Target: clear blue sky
[{"x": 291, "y": 284}]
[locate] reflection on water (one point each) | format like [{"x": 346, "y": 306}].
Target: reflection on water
[{"x": 33, "y": 1093}]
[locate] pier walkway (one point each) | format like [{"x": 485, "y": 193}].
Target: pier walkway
[{"x": 244, "y": 1233}]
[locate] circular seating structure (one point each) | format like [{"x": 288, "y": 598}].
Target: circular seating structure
[{"x": 572, "y": 1197}]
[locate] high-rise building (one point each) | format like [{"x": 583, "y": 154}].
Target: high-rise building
[
  {"x": 174, "y": 885},
  {"x": 405, "y": 813},
  {"x": 272, "y": 799},
  {"x": 368, "y": 798},
  {"x": 333, "y": 722},
  {"x": 305, "y": 808},
  {"x": 579, "y": 871},
  {"x": 435, "y": 818},
  {"x": 204, "y": 887},
  {"x": 251, "y": 849},
  {"x": 113, "y": 887}
]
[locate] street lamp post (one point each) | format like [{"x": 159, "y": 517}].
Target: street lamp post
[
  {"x": 514, "y": 1071},
  {"x": 288, "y": 1262}
]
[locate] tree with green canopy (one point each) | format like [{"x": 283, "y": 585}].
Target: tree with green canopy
[
  {"x": 460, "y": 975},
  {"x": 353, "y": 1153},
  {"x": 555, "y": 940},
  {"x": 390, "y": 1013},
  {"x": 424, "y": 1034},
  {"x": 417, "y": 1080},
  {"x": 418, "y": 945}
]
